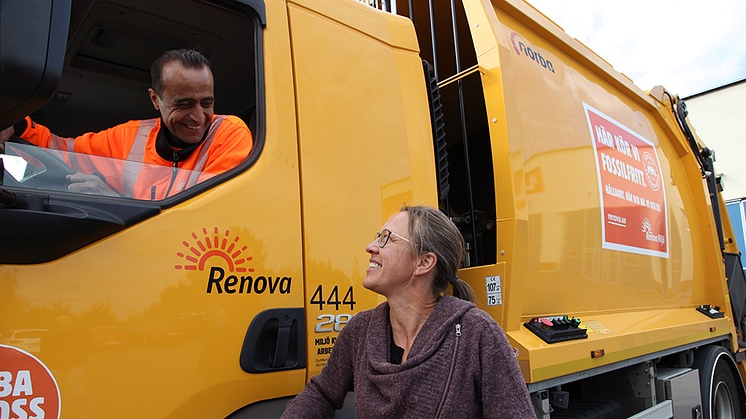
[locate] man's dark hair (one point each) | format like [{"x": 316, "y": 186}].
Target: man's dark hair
[{"x": 188, "y": 58}]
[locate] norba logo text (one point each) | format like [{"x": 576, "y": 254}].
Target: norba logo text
[
  {"x": 221, "y": 245},
  {"x": 521, "y": 47}
]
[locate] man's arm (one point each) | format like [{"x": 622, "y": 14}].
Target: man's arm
[
  {"x": 233, "y": 142},
  {"x": 15, "y": 129},
  {"x": 79, "y": 182}
]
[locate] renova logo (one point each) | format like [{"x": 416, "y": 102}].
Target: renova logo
[
  {"x": 207, "y": 247},
  {"x": 521, "y": 47},
  {"x": 220, "y": 245},
  {"x": 647, "y": 228},
  {"x": 651, "y": 171}
]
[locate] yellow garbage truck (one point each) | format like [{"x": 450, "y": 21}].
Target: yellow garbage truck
[{"x": 596, "y": 235}]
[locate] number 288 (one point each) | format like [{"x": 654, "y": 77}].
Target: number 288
[{"x": 330, "y": 322}]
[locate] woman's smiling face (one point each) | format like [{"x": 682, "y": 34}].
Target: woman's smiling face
[{"x": 392, "y": 266}]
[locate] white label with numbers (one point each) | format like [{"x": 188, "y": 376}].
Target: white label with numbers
[{"x": 494, "y": 291}]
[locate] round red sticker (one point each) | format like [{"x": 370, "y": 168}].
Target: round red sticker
[
  {"x": 651, "y": 171},
  {"x": 27, "y": 387}
]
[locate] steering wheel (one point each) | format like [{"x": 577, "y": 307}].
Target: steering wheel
[{"x": 54, "y": 176}]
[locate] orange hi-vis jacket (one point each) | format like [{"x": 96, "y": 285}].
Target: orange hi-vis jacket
[{"x": 135, "y": 168}]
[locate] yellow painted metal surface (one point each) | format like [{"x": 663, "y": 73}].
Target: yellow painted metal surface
[
  {"x": 171, "y": 345},
  {"x": 345, "y": 146},
  {"x": 621, "y": 336},
  {"x": 359, "y": 167},
  {"x": 539, "y": 85}
]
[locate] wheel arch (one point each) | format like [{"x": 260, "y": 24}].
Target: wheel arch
[{"x": 705, "y": 361}]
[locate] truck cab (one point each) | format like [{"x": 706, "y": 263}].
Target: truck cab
[{"x": 231, "y": 291}]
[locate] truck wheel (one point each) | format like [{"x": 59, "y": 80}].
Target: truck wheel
[{"x": 720, "y": 393}]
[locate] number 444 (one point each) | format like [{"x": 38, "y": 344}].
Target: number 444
[{"x": 331, "y": 322}]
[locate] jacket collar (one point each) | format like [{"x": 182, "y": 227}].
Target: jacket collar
[
  {"x": 172, "y": 149},
  {"x": 437, "y": 327}
]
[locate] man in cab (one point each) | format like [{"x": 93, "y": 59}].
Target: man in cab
[{"x": 188, "y": 137}]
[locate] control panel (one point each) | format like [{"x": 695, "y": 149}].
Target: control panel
[
  {"x": 710, "y": 311},
  {"x": 556, "y": 329}
]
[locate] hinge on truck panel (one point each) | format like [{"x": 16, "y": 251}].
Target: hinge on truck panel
[
  {"x": 642, "y": 378},
  {"x": 542, "y": 407}
]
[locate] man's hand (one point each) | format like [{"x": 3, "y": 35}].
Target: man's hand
[{"x": 90, "y": 184}]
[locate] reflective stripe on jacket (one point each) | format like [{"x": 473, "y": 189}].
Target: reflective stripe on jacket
[{"x": 226, "y": 145}]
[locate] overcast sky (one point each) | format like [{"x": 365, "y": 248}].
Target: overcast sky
[{"x": 688, "y": 46}]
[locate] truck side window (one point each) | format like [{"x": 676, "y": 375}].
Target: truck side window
[
  {"x": 103, "y": 70},
  {"x": 111, "y": 46}
]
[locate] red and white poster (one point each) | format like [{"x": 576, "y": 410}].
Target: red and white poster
[
  {"x": 630, "y": 182},
  {"x": 27, "y": 387}
]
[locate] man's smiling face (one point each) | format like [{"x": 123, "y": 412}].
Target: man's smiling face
[{"x": 186, "y": 104}]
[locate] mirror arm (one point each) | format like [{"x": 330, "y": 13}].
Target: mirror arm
[{"x": 19, "y": 200}]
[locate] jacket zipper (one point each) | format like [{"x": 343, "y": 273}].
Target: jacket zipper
[
  {"x": 173, "y": 174},
  {"x": 450, "y": 373}
]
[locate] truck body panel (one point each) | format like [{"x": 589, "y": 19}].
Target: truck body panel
[
  {"x": 579, "y": 195},
  {"x": 554, "y": 253}
]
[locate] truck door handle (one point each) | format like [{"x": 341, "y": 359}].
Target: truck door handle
[
  {"x": 275, "y": 341},
  {"x": 281, "y": 349}
]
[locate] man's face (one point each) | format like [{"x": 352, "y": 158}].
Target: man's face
[{"x": 186, "y": 104}]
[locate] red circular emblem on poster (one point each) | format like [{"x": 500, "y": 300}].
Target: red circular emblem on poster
[
  {"x": 27, "y": 387},
  {"x": 651, "y": 171}
]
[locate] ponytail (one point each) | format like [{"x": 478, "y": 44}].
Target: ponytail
[{"x": 462, "y": 290}]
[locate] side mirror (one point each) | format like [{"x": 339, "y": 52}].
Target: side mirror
[{"x": 33, "y": 39}]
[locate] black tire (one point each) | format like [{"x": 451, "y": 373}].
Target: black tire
[{"x": 721, "y": 395}]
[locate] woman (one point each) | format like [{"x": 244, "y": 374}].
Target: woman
[{"x": 420, "y": 354}]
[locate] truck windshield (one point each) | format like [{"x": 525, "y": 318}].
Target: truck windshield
[{"x": 28, "y": 166}]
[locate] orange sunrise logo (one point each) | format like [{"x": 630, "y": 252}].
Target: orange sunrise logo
[
  {"x": 220, "y": 244},
  {"x": 214, "y": 244}
]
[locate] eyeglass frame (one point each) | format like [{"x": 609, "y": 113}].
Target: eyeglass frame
[{"x": 379, "y": 236}]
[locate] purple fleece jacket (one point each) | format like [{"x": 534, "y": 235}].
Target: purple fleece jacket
[{"x": 482, "y": 381}]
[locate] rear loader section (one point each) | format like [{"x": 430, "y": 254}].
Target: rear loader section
[{"x": 595, "y": 230}]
